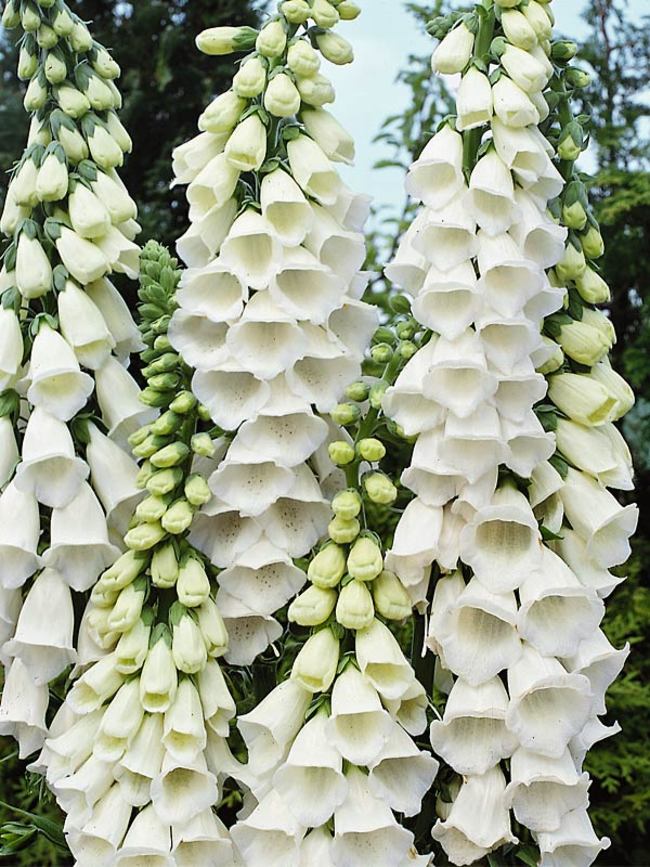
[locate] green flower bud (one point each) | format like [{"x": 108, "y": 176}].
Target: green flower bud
[
  {"x": 10, "y": 15},
  {"x": 55, "y": 68},
  {"x": 197, "y": 491},
  {"x": 63, "y": 23},
  {"x": 188, "y": 647},
  {"x": 164, "y": 566},
  {"x": 170, "y": 456},
  {"x": 358, "y": 391},
  {"x": 168, "y": 423},
  {"x": 316, "y": 664},
  {"x": 324, "y": 14},
  {"x": 347, "y": 504},
  {"x": 150, "y": 446},
  {"x": 335, "y": 48},
  {"x": 144, "y": 537},
  {"x": 377, "y": 393},
  {"x": 555, "y": 361},
  {"x": 328, "y": 567},
  {"x": 371, "y": 449},
  {"x": 574, "y": 216},
  {"x": 343, "y": 531},
  {"x": 250, "y": 78},
  {"x": 296, "y": 11},
  {"x": 151, "y": 509},
  {"x": 571, "y": 142},
  {"x": 272, "y": 40},
  {"x": 380, "y": 489},
  {"x": 139, "y": 436},
  {"x": 178, "y": 517},
  {"x": 30, "y": 19},
  {"x": 164, "y": 481},
  {"x": 571, "y": 265},
  {"x": 27, "y": 63},
  {"x": 46, "y": 37},
  {"x": 592, "y": 242},
  {"x": 348, "y": 10},
  {"x": 391, "y": 598},
  {"x": 193, "y": 584},
  {"x": 128, "y": 608},
  {"x": 406, "y": 330},
  {"x": 164, "y": 381},
  {"x": 313, "y": 606},
  {"x": 592, "y": 288},
  {"x": 202, "y": 445},
  {"x": 577, "y": 77},
  {"x": 219, "y": 41},
  {"x": 345, "y": 414},
  {"x": 382, "y": 353},
  {"x": 303, "y": 59},
  {"x": 80, "y": 38},
  {"x": 184, "y": 403},
  {"x": 583, "y": 343},
  {"x": 603, "y": 323},
  {"x": 123, "y": 571},
  {"x": 365, "y": 560},
  {"x": 355, "y": 608},
  {"x": 153, "y": 397},
  {"x": 563, "y": 51},
  {"x": 341, "y": 453},
  {"x": 144, "y": 474}
]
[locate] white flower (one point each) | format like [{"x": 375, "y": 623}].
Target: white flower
[
  {"x": 192, "y": 156},
  {"x": 70, "y": 743},
  {"x": 270, "y": 836},
  {"x": 593, "y": 732},
  {"x": 11, "y": 347},
  {"x": 473, "y": 446},
  {"x": 316, "y": 848},
  {"x": 382, "y": 661},
  {"x": 410, "y": 711},
  {"x": 525, "y": 70},
  {"x": 409, "y": 267},
  {"x": 84, "y": 327},
  {"x": 122, "y": 254},
  {"x": 478, "y": 822},
  {"x": 183, "y": 790},
  {"x": 214, "y": 292},
  {"x": 117, "y": 317},
  {"x": 217, "y": 702},
  {"x": 33, "y": 269},
  {"x": 359, "y": 726},
  {"x": 159, "y": 678},
  {"x": 19, "y": 535},
  {"x": 213, "y": 188},
  {"x": 97, "y": 684},
  {"x": 327, "y": 132},
  {"x": 118, "y": 395},
  {"x": 246, "y": 147},
  {"x": 474, "y": 103},
  {"x": 41, "y": 641},
  {"x": 575, "y": 839},
  {"x": 401, "y": 774},
  {"x": 88, "y": 214},
  {"x": 316, "y": 664},
  {"x": 454, "y": 52},
  {"x": 312, "y": 170},
  {"x": 543, "y": 790},
  {"x": 415, "y": 542},
  {"x": 78, "y": 793},
  {"x": 56, "y": 384},
  {"x": 512, "y": 105},
  {"x": 23, "y": 708},
  {"x": 446, "y": 237},
  {"x": 98, "y": 840},
  {"x": 132, "y": 648},
  {"x": 548, "y": 706},
  {"x": 263, "y": 578},
  {"x": 252, "y": 249},
  {"x": 110, "y": 190},
  {"x": 336, "y": 247},
  {"x": 285, "y": 207},
  {"x": 148, "y": 839},
  {"x": 49, "y": 469},
  {"x": 203, "y": 838},
  {"x": 472, "y": 735},
  {"x": 508, "y": 280},
  {"x": 604, "y": 525},
  {"x": 83, "y": 259},
  {"x": 491, "y": 194},
  {"x": 142, "y": 761},
  {"x": 310, "y": 780},
  {"x": 598, "y": 660},
  {"x": 540, "y": 238},
  {"x": 529, "y": 445},
  {"x": 616, "y": 386},
  {"x": 120, "y": 723},
  {"x": 10, "y": 604},
  {"x": 365, "y": 830},
  {"x": 448, "y": 303},
  {"x": 113, "y": 475}
]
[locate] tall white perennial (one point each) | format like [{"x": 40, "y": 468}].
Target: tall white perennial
[{"x": 511, "y": 506}]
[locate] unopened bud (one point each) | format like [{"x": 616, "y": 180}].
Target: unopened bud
[
  {"x": 170, "y": 456},
  {"x": 178, "y": 518},
  {"x": 341, "y": 453},
  {"x": 343, "y": 531},
  {"x": 365, "y": 560},
  {"x": 144, "y": 537},
  {"x": 347, "y": 504},
  {"x": 380, "y": 489},
  {"x": 345, "y": 414},
  {"x": 327, "y": 567},
  {"x": 164, "y": 566},
  {"x": 164, "y": 481},
  {"x": 313, "y": 607},
  {"x": 358, "y": 392},
  {"x": 202, "y": 445},
  {"x": 197, "y": 491},
  {"x": 391, "y": 599},
  {"x": 371, "y": 449},
  {"x": 355, "y": 608}
]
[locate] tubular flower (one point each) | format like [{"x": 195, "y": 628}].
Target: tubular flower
[
  {"x": 58, "y": 529},
  {"x": 506, "y": 284}
]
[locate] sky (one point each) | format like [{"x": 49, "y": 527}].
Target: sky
[{"x": 367, "y": 93}]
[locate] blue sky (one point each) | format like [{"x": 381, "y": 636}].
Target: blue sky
[{"x": 367, "y": 93}]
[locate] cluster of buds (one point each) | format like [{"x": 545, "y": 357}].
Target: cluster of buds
[
  {"x": 137, "y": 753},
  {"x": 511, "y": 502},
  {"x": 66, "y": 335},
  {"x": 270, "y": 314}
]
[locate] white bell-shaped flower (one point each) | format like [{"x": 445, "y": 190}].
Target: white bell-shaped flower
[
  {"x": 401, "y": 774},
  {"x": 77, "y": 794},
  {"x": 200, "y": 243},
  {"x": 316, "y": 848},
  {"x": 448, "y": 237},
  {"x": 270, "y": 836},
  {"x": 263, "y": 578},
  {"x": 333, "y": 245},
  {"x": 434, "y": 480},
  {"x": 147, "y": 841},
  {"x": 217, "y": 702},
  {"x": 382, "y": 662},
  {"x": 604, "y": 525},
  {"x": 598, "y": 660},
  {"x": 593, "y": 732},
  {"x": 478, "y": 821},
  {"x": 518, "y": 390},
  {"x": 312, "y": 170},
  {"x": 473, "y": 445},
  {"x": 325, "y": 129},
  {"x": 512, "y": 105},
  {"x": 68, "y": 749},
  {"x": 19, "y": 534},
  {"x": 508, "y": 279},
  {"x": 529, "y": 445},
  {"x": 202, "y": 840},
  {"x": 574, "y": 843},
  {"x": 543, "y": 790},
  {"x": 184, "y": 734},
  {"x": 311, "y": 780},
  {"x": 359, "y": 726},
  {"x": 548, "y": 706},
  {"x": 472, "y": 736},
  {"x": 354, "y": 324},
  {"x": 119, "y": 401},
  {"x": 121, "y": 722},
  {"x": 231, "y": 394},
  {"x": 300, "y": 268},
  {"x": 502, "y": 542},
  {"x": 474, "y": 103},
  {"x": 491, "y": 195},
  {"x": 113, "y": 474},
  {"x": 436, "y": 177},
  {"x": 250, "y": 484},
  {"x": 415, "y": 542},
  {"x": 44, "y": 632},
  {"x": 321, "y": 381},
  {"x": 11, "y": 347},
  {"x": 214, "y": 292},
  {"x": 84, "y": 327},
  {"x": 573, "y": 550},
  {"x": 522, "y": 152},
  {"x": 117, "y": 317},
  {"x": 49, "y": 470},
  {"x": 122, "y": 254},
  {"x": 183, "y": 790},
  {"x": 10, "y": 604},
  {"x": 352, "y": 209},
  {"x": 557, "y": 612},
  {"x": 96, "y": 685},
  {"x": 459, "y": 378},
  {"x": 273, "y": 725},
  {"x": 285, "y": 207},
  {"x": 408, "y": 268},
  {"x": 213, "y": 186},
  {"x": 79, "y": 546},
  {"x": 448, "y": 302},
  {"x": 142, "y": 761},
  {"x": 97, "y": 842},
  {"x": 538, "y": 236},
  {"x": 9, "y": 454},
  {"x": 506, "y": 341},
  {"x": 252, "y": 249},
  {"x": 22, "y": 709},
  {"x": 288, "y": 439},
  {"x": 365, "y": 830},
  {"x": 55, "y": 382},
  {"x": 200, "y": 341}
]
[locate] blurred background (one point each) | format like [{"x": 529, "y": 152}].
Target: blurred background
[{"x": 391, "y": 103}]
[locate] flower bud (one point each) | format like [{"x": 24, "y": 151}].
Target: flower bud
[
  {"x": 132, "y": 648},
  {"x": 159, "y": 678},
  {"x": 518, "y": 29},
  {"x": 33, "y": 268},
  {"x": 183, "y": 403},
  {"x": 281, "y": 98},
  {"x": 592, "y": 242},
  {"x": 223, "y": 113},
  {"x": 303, "y": 59},
  {"x": 316, "y": 664},
  {"x": 27, "y": 63},
  {"x": 164, "y": 481},
  {"x": 616, "y": 386},
  {"x": 345, "y": 413},
  {"x": 583, "y": 343},
  {"x": 246, "y": 147},
  {"x": 391, "y": 598},
  {"x": 128, "y": 607},
  {"x": 312, "y": 607},
  {"x": 371, "y": 449},
  {"x": 571, "y": 265},
  {"x": 454, "y": 52},
  {"x": 171, "y": 455},
  {"x": 554, "y": 361},
  {"x": 164, "y": 566},
  {"x": 193, "y": 584},
  {"x": 165, "y": 425},
  {"x": 151, "y": 509},
  {"x": 123, "y": 571},
  {"x": 603, "y": 323},
  {"x": 347, "y": 504},
  {"x": 197, "y": 491},
  {"x": 335, "y": 48},
  {"x": 315, "y": 90},
  {"x": 218, "y": 41},
  {"x": 343, "y": 531},
  {"x": 250, "y": 79},
  {"x": 63, "y": 23},
  {"x": 341, "y": 453},
  {"x": 72, "y": 101},
  {"x": 324, "y": 13},
  {"x": 149, "y": 446},
  {"x": 380, "y": 489},
  {"x": 188, "y": 647},
  {"x": 10, "y": 15},
  {"x": 574, "y": 216},
  {"x": 538, "y": 19},
  {"x": 144, "y": 537},
  {"x": 30, "y": 19},
  {"x": 80, "y": 38},
  {"x": 571, "y": 142},
  {"x": 348, "y": 10},
  {"x": 178, "y": 518},
  {"x": 272, "y": 40},
  {"x": 582, "y": 398},
  {"x": 358, "y": 391},
  {"x": 327, "y": 567},
  {"x": 564, "y": 51},
  {"x": 355, "y": 608},
  {"x": 202, "y": 445},
  {"x": 36, "y": 94},
  {"x": 296, "y": 11},
  {"x": 365, "y": 560},
  {"x": 576, "y": 77},
  {"x": 592, "y": 288},
  {"x": 382, "y": 353}
]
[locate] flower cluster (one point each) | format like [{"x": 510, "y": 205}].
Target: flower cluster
[
  {"x": 269, "y": 311},
  {"x": 511, "y": 503},
  {"x": 65, "y": 336},
  {"x": 137, "y": 754}
]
